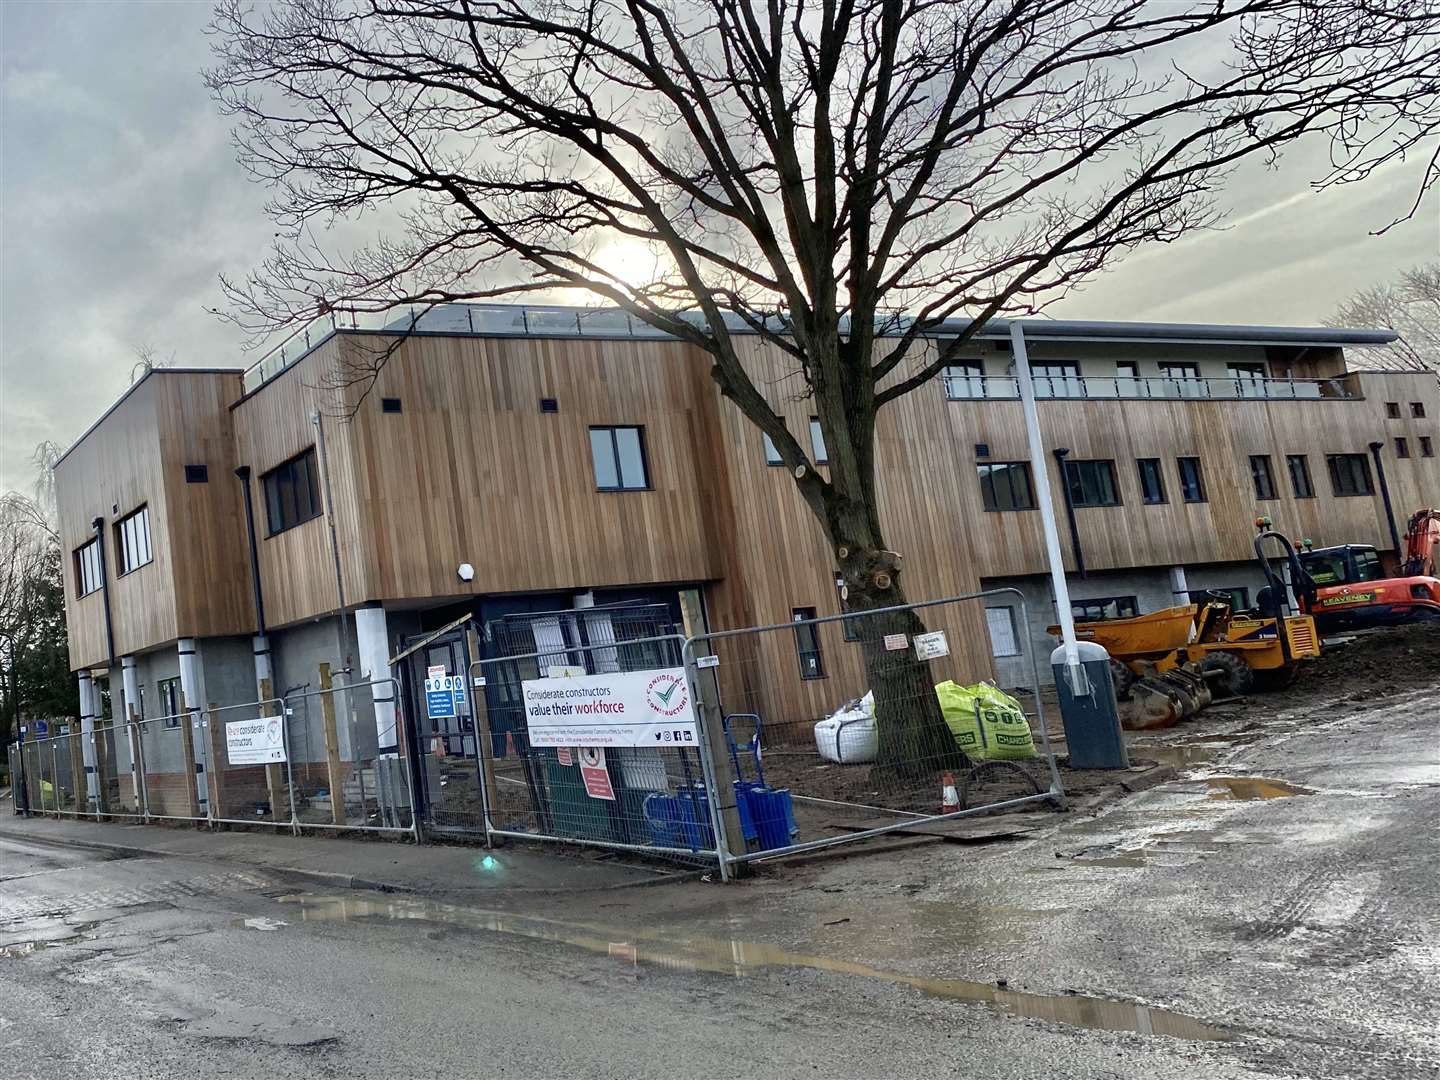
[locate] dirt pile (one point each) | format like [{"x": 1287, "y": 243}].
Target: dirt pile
[{"x": 1376, "y": 662}]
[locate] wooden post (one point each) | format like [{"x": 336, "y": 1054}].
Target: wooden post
[
  {"x": 334, "y": 770},
  {"x": 718, "y": 766},
  {"x": 480, "y": 710},
  {"x": 78, "y": 779},
  {"x": 187, "y": 748},
  {"x": 215, "y": 774},
  {"x": 104, "y": 765},
  {"x": 274, "y": 778}
]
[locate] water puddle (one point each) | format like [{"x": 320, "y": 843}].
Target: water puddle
[
  {"x": 1252, "y": 788},
  {"x": 741, "y": 959}
]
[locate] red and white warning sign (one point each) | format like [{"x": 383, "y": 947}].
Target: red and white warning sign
[
  {"x": 594, "y": 773},
  {"x": 563, "y": 756}
]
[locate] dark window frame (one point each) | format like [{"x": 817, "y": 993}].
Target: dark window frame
[
  {"x": 1158, "y": 476},
  {"x": 971, "y": 371},
  {"x": 88, "y": 555},
  {"x": 128, "y": 535},
  {"x": 172, "y": 700},
  {"x": 1427, "y": 446},
  {"x": 1126, "y": 607},
  {"x": 1262, "y": 475},
  {"x": 1076, "y": 481},
  {"x": 282, "y": 484},
  {"x": 197, "y": 474},
  {"x": 1392, "y": 410},
  {"x": 1305, "y": 490},
  {"x": 1191, "y": 493},
  {"x": 1417, "y": 410},
  {"x": 1346, "y": 468},
  {"x": 807, "y": 644},
  {"x": 985, "y": 472},
  {"x": 1402, "y": 446},
  {"x": 620, "y": 485},
  {"x": 818, "y": 449}
]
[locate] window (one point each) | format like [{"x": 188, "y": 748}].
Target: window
[
  {"x": 292, "y": 493},
  {"x": 1402, "y": 447},
  {"x": 1192, "y": 484},
  {"x": 1299, "y": 466},
  {"x": 1056, "y": 378},
  {"x": 1264, "y": 479},
  {"x": 89, "y": 575},
  {"x": 1005, "y": 485},
  {"x": 1184, "y": 378},
  {"x": 132, "y": 541},
  {"x": 1427, "y": 446},
  {"x": 850, "y": 625},
  {"x": 1127, "y": 378},
  {"x": 172, "y": 701},
  {"x": 1091, "y": 483},
  {"x": 1350, "y": 475},
  {"x": 619, "y": 454},
  {"x": 965, "y": 379},
  {"x": 817, "y": 441},
  {"x": 1238, "y": 595},
  {"x": 807, "y": 644},
  {"x": 1152, "y": 481},
  {"x": 393, "y": 405},
  {"x": 1104, "y": 607},
  {"x": 1249, "y": 379},
  {"x": 1417, "y": 410},
  {"x": 1367, "y": 565},
  {"x": 197, "y": 474},
  {"x": 1003, "y": 639},
  {"x": 772, "y": 455},
  {"x": 1392, "y": 410}
]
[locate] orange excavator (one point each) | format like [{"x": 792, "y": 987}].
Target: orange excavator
[{"x": 1347, "y": 589}]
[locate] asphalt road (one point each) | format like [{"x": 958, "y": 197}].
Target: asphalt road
[{"x": 1281, "y": 925}]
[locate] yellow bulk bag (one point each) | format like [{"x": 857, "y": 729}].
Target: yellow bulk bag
[{"x": 988, "y": 724}]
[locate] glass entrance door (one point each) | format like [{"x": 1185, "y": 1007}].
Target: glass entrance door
[{"x": 446, "y": 760}]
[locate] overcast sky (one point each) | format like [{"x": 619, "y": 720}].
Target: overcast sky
[{"x": 121, "y": 204}]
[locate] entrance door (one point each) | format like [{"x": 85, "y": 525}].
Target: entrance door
[{"x": 445, "y": 761}]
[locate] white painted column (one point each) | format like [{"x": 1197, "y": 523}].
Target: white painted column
[
  {"x": 192, "y": 688},
  {"x": 1179, "y": 587},
  {"x": 260, "y": 646},
  {"x": 89, "y": 713},
  {"x": 374, "y": 641},
  {"x": 130, "y": 682}
]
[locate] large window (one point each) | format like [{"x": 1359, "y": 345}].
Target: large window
[
  {"x": 619, "y": 454},
  {"x": 89, "y": 574},
  {"x": 1104, "y": 607},
  {"x": 817, "y": 442},
  {"x": 1300, "y": 483},
  {"x": 1249, "y": 379},
  {"x": 1184, "y": 378},
  {"x": 807, "y": 644},
  {"x": 1091, "y": 483},
  {"x": 1263, "y": 476},
  {"x": 1056, "y": 379},
  {"x": 132, "y": 541},
  {"x": 1005, "y": 485},
  {"x": 1350, "y": 474},
  {"x": 1152, "y": 481},
  {"x": 292, "y": 493},
  {"x": 1001, "y": 623},
  {"x": 172, "y": 701},
  {"x": 964, "y": 379},
  {"x": 1192, "y": 483}
]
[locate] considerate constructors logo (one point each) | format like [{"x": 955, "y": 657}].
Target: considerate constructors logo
[{"x": 666, "y": 694}]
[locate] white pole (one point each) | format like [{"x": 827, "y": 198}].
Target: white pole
[
  {"x": 1038, "y": 464},
  {"x": 89, "y": 713}
]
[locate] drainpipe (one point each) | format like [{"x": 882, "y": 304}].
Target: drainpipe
[
  {"x": 261, "y": 642},
  {"x": 1061, "y": 453},
  {"x": 1375, "y": 448},
  {"x": 99, "y": 526}
]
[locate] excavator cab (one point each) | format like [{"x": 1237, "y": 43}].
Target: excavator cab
[{"x": 1345, "y": 564}]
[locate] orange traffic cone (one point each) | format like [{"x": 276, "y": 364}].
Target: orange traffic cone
[{"x": 949, "y": 797}]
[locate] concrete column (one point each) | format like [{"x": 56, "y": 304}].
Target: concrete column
[
  {"x": 129, "y": 710},
  {"x": 89, "y": 713},
  {"x": 1179, "y": 587},
  {"x": 374, "y": 640},
  {"x": 192, "y": 688}
]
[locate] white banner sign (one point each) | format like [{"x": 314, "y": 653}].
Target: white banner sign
[
  {"x": 626, "y": 708},
  {"x": 255, "y": 742}
]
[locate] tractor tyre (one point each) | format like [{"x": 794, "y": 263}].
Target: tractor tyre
[
  {"x": 1123, "y": 678},
  {"x": 1276, "y": 678},
  {"x": 1240, "y": 677}
]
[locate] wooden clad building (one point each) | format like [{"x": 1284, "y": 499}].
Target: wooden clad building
[{"x": 524, "y": 460}]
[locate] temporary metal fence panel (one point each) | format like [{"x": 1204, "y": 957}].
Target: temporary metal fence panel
[
  {"x": 172, "y": 759},
  {"x": 816, "y": 763},
  {"x": 596, "y": 744}
]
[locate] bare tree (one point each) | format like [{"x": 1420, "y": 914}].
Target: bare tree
[
  {"x": 838, "y": 177},
  {"x": 1410, "y": 306}
]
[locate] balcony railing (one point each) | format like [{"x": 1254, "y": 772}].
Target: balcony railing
[{"x": 1151, "y": 388}]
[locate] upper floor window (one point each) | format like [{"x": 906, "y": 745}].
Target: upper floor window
[
  {"x": 1005, "y": 485},
  {"x": 1299, "y": 466},
  {"x": 965, "y": 379},
  {"x": 1392, "y": 410},
  {"x": 292, "y": 492},
  {"x": 619, "y": 454},
  {"x": 1402, "y": 446},
  {"x": 1261, "y": 474},
  {"x": 1091, "y": 483},
  {"x": 1152, "y": 481},
  {"x": 1127, "y": 378},
  {"x": 1417, "y": 410},
  {"x": 89, "y": 574},
  {"x": 1104, "y": 607},
  {"x": 132, "y": 541},
  {"x": 1184, "y": 376},
  {"x": 1427, "y": 446},
  {"x": 1249, "y": 378},
  {"x": 1192, "y": 483},
  {"x": 1056, "y": 379},
  {"x": 772, "y": 454},
  {"x": 1350, "y": 474},
  {"x": 817, "y": 442}
]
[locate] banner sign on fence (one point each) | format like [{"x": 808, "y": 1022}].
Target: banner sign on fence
[
  {"x": 595, "y": 774},
  {"x": 623, "y": 708},
  {"x": 255, "y": 742}
]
